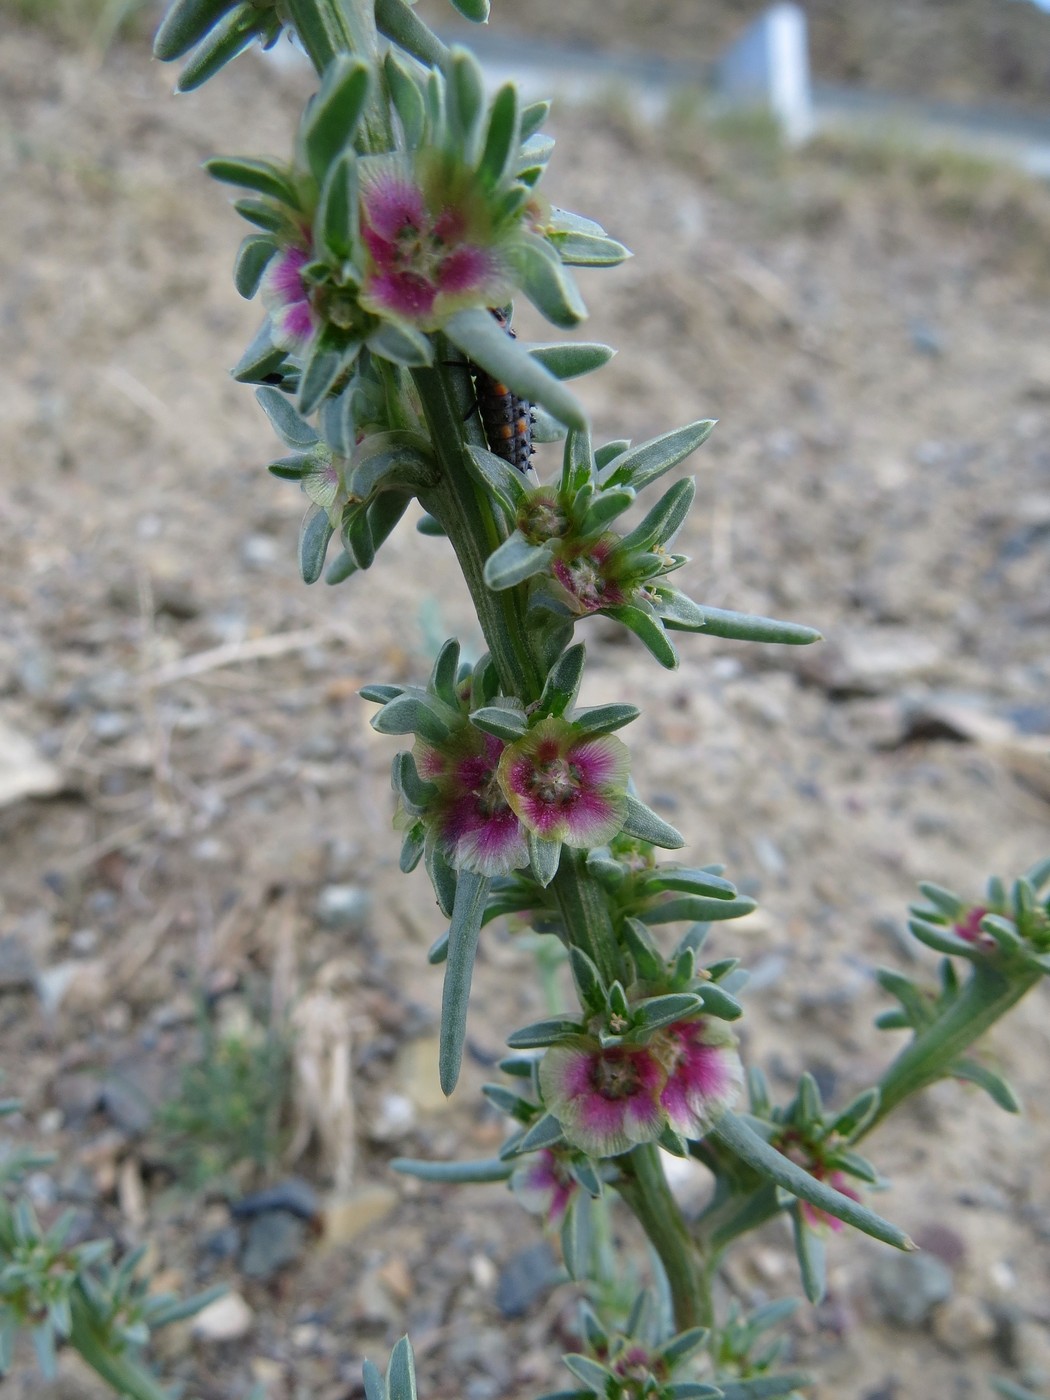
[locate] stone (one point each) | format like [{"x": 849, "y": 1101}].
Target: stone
[
  {"x": 293, "y": 1195},
  {"x": 343, "y": 906},
  {"x": 78, "y": 985},
  {"x": 395, "y": 1119},
  {"x": 962, "y": 1325},
  {"x": 276, "y": 1239},
  {"x": 228, "y": 1319},
  {"x": 416, "y": 1073},
  {"x": 527, "y": 1276},
  {"x": 348, "y": 1216},
  {"x": 23, "y": 772},
  {"x": 907, "y": 1287},
  {"x": 17, "y": 967}
]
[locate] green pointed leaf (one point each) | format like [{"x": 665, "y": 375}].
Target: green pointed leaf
[
  {"x": 597, "y": 1378},
  {"x": 568, "y": 359},
  {"x": 649, "y": 630},
  {"x": 491, "y": 1169},
  {"x": 743, "y": 627},
  {"x": 743, "y": 1141},
  {"x": 185, "y": 25},
  {"x": 767, "y": 1387},
  {"x": 331, "y": 355},
  {"x": 502, "y": 137},
  {"x": 427, "y": 525},
  {"x": 945, "y": 901},
  {"x": 576, "y": 1236},
  {"x": 234, "y": 33},
  {"x": 314, "y": 535},
  {"x": 589, "y": 984},
  {"x": 263, "y": 214},
  {"x": 588, "y": 249},
  {"x": 604, "y": 509},
  {"x": 653, "y": 1012},
  {"x": 809, "y": 1250},
  {"x": 858, "y": 1114},
  {"x": 396, "y": 20},
  {"x": 253, "y": 257},
  {"x": 394, "y": 461},
  {"x": 644, "y": 952},
  {"x": 375, "y": 1386},
  {"x": 334, "y": 113},
  {"x": 286, "y": 423},
  {"x": 684, "y": 1345},
  {"x": 401, "y": 345},
  {"x": 260, "y": 360},
  {"x": 604, "y": 719},
  {"x": 644, "y": 464},
  {"x": 413, "y": 846},
  {"x": 689, "y": 881},
  {"x": 465, "y": 102},
  {"x": 262, "y": 176},
  {"x": 694, "y": 1390},
  {"x": 540, "y": 1034},
  {"x": 407, "y": 99},
  {"x": 501, "y": 720},
  {"x": 514, "y": 561},
  {"x": 533, "y": 117},
  {"x": 545, "y": 281},
  {"x": 444, "y": 677},
  {"x": 336, "y": 218},
  {"x": 940, "y": 939},
  {"x": 477, "y": 11},
  {"x": 416, "y": 793},
  {"x": 401, "y": 1372},
  {"x": 481, "y": 339},
  {"x": 665, "y": 519},
  {"x": 545, "y": 427},
  {"x": 998, "y": 1090},
  {"x": 498, "y": 476},
  {"x": 544, "y": 1133},
  {"x": 698, "y": 908},
  {"x": 544, "y": 857},
  {"x": 610, "y": 452},
  {"x": 471, "y": 894},
  {"x": 718, "y": 1002},
  {"x": 563, "y": 682},
  {"x": 642, "y": 822}
]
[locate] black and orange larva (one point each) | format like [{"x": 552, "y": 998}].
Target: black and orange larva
[{"x": 506, "y": 416}]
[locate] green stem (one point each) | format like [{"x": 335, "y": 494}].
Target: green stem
[
  {"x": 328, "y": 28},
  {"x": 987, "y": 996},
  {"x": 124, "y": 1375},
  {"x": 644, "y": 1187},
  {"x": 474, "y": 531},
  {"x": 585, "y": 914}
]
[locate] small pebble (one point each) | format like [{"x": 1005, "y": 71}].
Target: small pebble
[
  {"x": 228, "y": 1319},
  {"x": 342, "y": 906}
]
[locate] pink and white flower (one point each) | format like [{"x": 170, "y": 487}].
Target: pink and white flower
[
  {"x": 565, "y": 786},
  {"x": 470, "y": 815},
  {"x": 287, "y": 298},
  {"x": 704, "y": 1074},
  {"x": 545, "y": 1186},
  {"x": 430, "y": 241},
  {"x": 607, "y": 1099}
]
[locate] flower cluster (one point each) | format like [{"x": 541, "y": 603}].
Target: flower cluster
[{"x": 609, "y": 1098}]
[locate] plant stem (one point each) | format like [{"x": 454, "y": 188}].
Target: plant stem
[
  {"x": 124, "y": 1375},
  {"x": 328, "y": 28},
  {"x": 585, "y": 914},
  {"x": 644, "y": 1187},
  {"x": 474, "y": 532},
  {"x": 987, "y": 996}
]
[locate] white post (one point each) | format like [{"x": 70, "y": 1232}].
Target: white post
[{"x": 768, "y": 67}]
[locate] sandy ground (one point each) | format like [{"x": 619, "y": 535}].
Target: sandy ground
[{"x": 870, "y": 330}]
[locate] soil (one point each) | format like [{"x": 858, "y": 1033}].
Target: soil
[{"x": 870, "y": 329}]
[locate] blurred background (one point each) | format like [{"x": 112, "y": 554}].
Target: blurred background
[{"x": 213, "y": 977}]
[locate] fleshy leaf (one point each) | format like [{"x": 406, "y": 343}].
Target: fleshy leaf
[
  {"x": 490, "y": 1169},
  {"x": 471, "y": 894},
  {"x": 481, "y": 339},
  {"x": 644, "y": 464},
  {"x": 514, "y": 561}
]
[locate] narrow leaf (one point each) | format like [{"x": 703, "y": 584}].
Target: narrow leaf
[
  {"x": 185, "y": 24},
  {"x": 477, "y": 334},
  {"x": 314, "y": 535},
  {"x": 644, "y": 464},
  {"x": 234, "y": 33},
  {"x": 514, "y": 561},
  {"x": 286, "y": 423},
  {"x": 736, "y": 1135},
  {"x": 334, "y": 112},
  {"x": 812, "y": 1263},
  {"x": 568, "y": 359},
  {"x": 471, "y": 894},
  {"x": 642, "y": 822},
  {"x": 253, "y": 257},
  {"x": 744, "y": 627}
]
